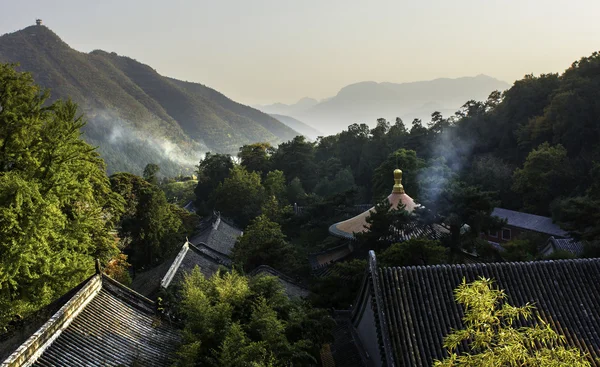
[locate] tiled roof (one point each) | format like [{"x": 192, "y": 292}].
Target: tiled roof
[
  {"x": 346, "y": 348},
  {"x": 357, "y": 224},
  {"x": 530, "y": 222},
  {"x": 219, "y": 236},
  {"x": 103, "y": 324},
  {"x": 414, "y": 229},
  {"x": 417, "y": 308},
  {"x": 564, "y": 244},
  {"x": 292, "y": 287},
  {"x": 188, "y": 258}
]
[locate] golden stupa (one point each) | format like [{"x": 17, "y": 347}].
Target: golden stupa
[{"x": 358, "y": 224}]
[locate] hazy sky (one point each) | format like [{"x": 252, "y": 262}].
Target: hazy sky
[{"x": 264, "y": 51}]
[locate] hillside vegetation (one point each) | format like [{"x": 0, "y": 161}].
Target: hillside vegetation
[{"x": 136, "y": 115}]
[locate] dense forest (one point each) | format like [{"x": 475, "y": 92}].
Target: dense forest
[{"x": 533, "y": 148}]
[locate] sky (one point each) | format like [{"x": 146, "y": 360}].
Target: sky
[{"x": 266, "y": 51}]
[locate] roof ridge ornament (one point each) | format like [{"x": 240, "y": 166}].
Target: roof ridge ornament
[{"x": 398, "y": 188}]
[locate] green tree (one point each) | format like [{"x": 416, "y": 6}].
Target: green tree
[
  {"x": 295, "y": 192},
  {"x": 383, "y": 178},
  {"x": 263, "y": 243},
  {"x": 231, "y": 320},
  {"x": 274, "y": 184},
  {"x": 543, "y": 178},
  {"x": 383, "y": 224},
  {"x": 296, "y": 159},
  {"x": 415, "y": 251},
  {"x": 494, "y": 341},
  {"x": 240, "y": 196},
  {"x": 465, "y": 210},
  {"x": 151, "y": 228},
  {"x": 212, "y": 171},
  {"x": 57, "y": 211},
  {"x": 326, "y": 290},
  {"x": 256, "y": 157},
  {"x": 150, "y": 172}
]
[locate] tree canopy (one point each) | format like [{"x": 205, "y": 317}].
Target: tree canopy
[
  {"x": 57, "y": 210},
  {"x": 493, "y": 339}
]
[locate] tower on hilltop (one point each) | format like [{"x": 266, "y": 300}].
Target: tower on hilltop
[{"x": 38, "y": 22}]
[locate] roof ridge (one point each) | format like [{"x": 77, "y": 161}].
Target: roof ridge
[
  {"x": 499, "y": 264},
  {"x": 125, "y": 289},
  {"x": 198, "y": 251},
  {"x": 36, "y": 344}
]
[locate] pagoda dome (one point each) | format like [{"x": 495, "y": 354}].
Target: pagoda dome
[{"x": 358, "y": 224}]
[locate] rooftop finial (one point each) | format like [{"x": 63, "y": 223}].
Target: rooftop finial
[{"x": 398, "y": 188}]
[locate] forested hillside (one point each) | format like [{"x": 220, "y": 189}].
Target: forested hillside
[
  {"x": 533, "y": 148},
  {"x": 137, "y": 116}
]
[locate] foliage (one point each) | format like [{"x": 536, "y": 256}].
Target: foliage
[
  {"x": 415, "y": 251},
  {"x": 295, "y": 159},
  {"x": 460, "y": 206},
  {"x": 212, "y": 171},
  {"x": 342, "y": 182},
  {"x": 117, "y": 268},
  {"x": 180, "y": 192},
  {"x": 524, "y": 248},
  {"x": 240, "y": 196},
  {"x": 150, "y": 172},
  {"x": 151, "y": 228},
  {"x": 544, "y": 176},
  {"x": 326, "y": 290},
  {"x": 256, "y": 157},
  {"x": 57, "y": 210},
  {"x": 383, "y": 222},
  {"x": 231, "y": 320},
  {"x": 383, "y": 179},
  {"x": 494, "y": 341},
  {"x": 263, "y": 243},
  {"x": 274, "y": 184}
]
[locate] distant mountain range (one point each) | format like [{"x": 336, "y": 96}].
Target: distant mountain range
[
  {"x": 136, "y": 116},
  {"x": 364, "y": 102},
  {"x": 298, "y": 126},
  {"x": 289, "y": 109}
]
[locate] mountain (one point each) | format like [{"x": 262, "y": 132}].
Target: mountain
[
  {"x": 364, "y": 102},
  {"x": 299, "y": 126},
  {"x": 289, "y": 109},
  {"x": 136, "y": 115}
]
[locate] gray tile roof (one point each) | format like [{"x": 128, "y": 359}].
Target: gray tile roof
[
  {"x": 219, "y": 236},
  {"x": 564, "y": 244},
  {"x": 188, "y": 258},
  {"x": 103, "y": 324},
  {"x": 292, "y": 287},
  {"x": 416, "y": 307},
  {"x": 530, "y": 222},
  {"x": 346, "y": 348}
]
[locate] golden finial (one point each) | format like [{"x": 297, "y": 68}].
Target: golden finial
[{"x": 398, "y": 188}]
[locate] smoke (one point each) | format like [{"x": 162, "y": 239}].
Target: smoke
[
  {"x": 129, "y": 148},
  {"x": 449, "y": 153}
]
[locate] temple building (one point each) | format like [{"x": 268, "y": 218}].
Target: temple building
[
  {"x": 210, "y": 251},
  {"x": 402, "y": 314},
  {"x": 398, "y": 199},
  {"x": 99, "y": 323},
  {"x": 347, "y": 229}
]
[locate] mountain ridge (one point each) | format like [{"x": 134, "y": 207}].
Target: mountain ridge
[
  {"x": 118, "y": 92},
  {"x": 365, "y": 101}
]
